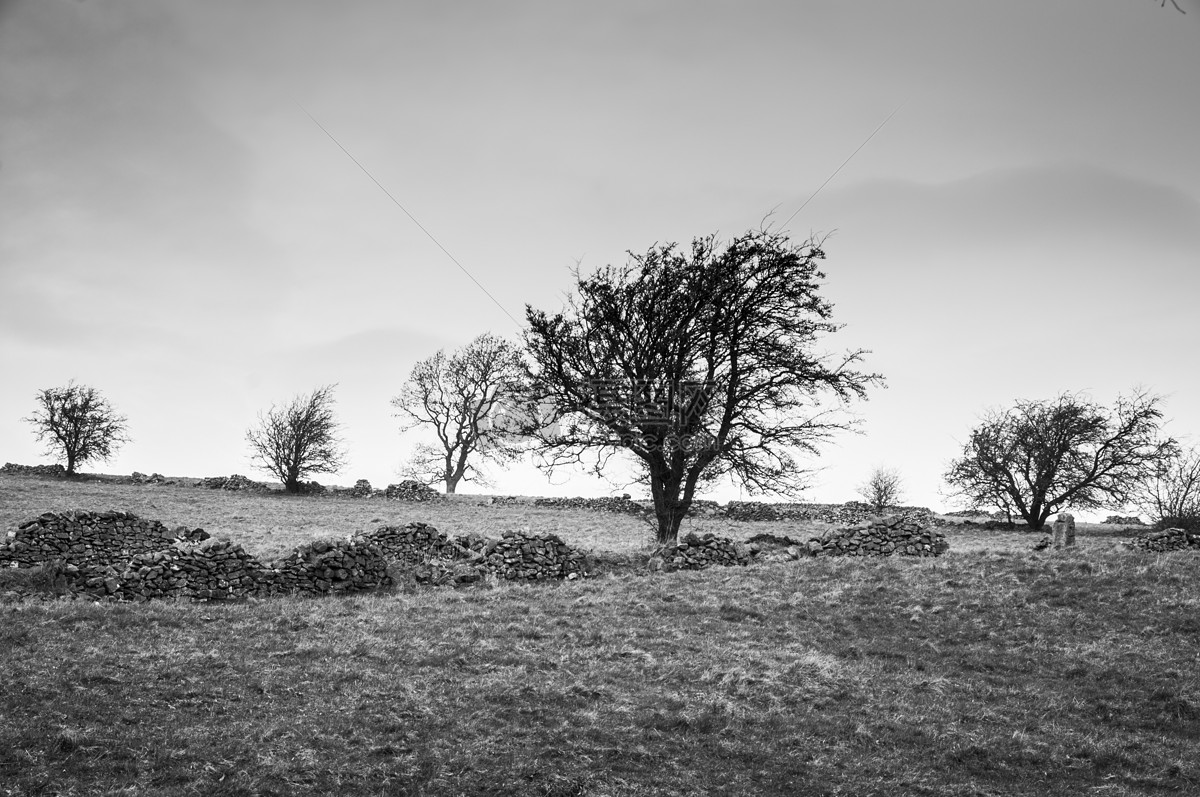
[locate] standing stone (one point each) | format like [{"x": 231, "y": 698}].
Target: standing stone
[{"x": 1064, "y": 530}]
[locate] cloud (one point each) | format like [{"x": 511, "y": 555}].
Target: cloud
[
  {"x": 123, "y": 198},
  {"x": 1022, "y": 205}
]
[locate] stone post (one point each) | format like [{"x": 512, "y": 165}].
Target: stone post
[{"x": 1064, "y": 530}]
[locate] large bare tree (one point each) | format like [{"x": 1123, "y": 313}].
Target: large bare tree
[
  {"x": 298, "y": 438},
  {"x": 1039, "y": 457},
  {"x": 701, "y": 363},
  {"x": 77, "y": 424},
  {"x": 459, "y": 397}
]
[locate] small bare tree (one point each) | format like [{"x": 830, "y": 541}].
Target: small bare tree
[
  {"x": 460, "y": 396},
  {"x": 883, "y": 488},
  {"x": 77, "y": 424},
  {"x": 298, "y": 439},
  {"x": 1173, "y": 489}
]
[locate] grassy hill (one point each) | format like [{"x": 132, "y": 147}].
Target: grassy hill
[{"x": 992, "y": 670}]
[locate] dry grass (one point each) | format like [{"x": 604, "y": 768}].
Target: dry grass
[{"x": 990, "y": 671}]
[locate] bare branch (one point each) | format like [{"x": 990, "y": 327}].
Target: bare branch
[
  {"x": 1039, "y": 457},
  {"x": 77, "y": 424},
  {"x": 465, "y": 399},
  {"x": 298, "y": 439},
  {"x": 700, "y": 363}
]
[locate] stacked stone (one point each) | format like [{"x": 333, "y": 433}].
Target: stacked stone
[
  {"x": 411, "y": 490},
  {"x": 623, "y": 504},
  {"x": 236, "y": 482},
  {"x": 331, "y": 566},
  {"x": 153, "y": 478},
  {"x": 87, "y": 538},
  {"x": 361, "y": 489},
  {"x": 849, "y": 513},
  {"x": 1121, "y": 520},
  {"x": 411, "y": 544},
  {"x": 13, "y": 469},
  {"x": 438, "y": 559},
  {"x": 214, "y": 570},
  {"x": 530, "y": 557},
  {"x": 696, "y": 553},
  {"x": 501, "y": 500},
  {"x": 900, "y": 536},
  {"x": 312, "y": 488},
  {"x": 1166, "y": 540},
  {"x": 759, "y": 511}
]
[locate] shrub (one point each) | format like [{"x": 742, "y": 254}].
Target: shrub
[{"x": 1185, "y": 522}]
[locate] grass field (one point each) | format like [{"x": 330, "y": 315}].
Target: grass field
[{"x": 992, "y": 670}]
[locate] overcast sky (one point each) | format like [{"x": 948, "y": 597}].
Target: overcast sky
[{"x": 176, "y": 231}]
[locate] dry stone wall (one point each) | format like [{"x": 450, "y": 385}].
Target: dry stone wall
[
  {"x": 1166, "y": 540},
  {"x": 411, "y": 490},
  {"x": 13, "y": 469},
  {"x": 438, "y": 559},
  {"x": 118, "y": 555},
  {"x": 697, "y": 553},
  {"x": 234, "y": 483},
  {"x": 622, "y": 504},
  {"x": 361, "y": 489},
  {"x": 899, "y": 536},
  {"x": 86, "y": 538},
  {"x": 849, "y": 513}
]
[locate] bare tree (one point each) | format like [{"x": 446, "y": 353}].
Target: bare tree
[
  {"x": 699, "y": 363},
  {"x": 1041, "y": 456},
  {"x": 459, "y": 397},
  {"x": 883, "y": 488},
  {"x": 77, "y": 424},
  {"x": 1172, "y": 490},
  {"x": 298, "y": 439}
]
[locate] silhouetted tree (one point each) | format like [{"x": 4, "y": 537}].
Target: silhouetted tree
[
  {"x": 77, "y": 424},
  {"x": 699, "y": 363},
  {"x": 1039, "y": 457},
  {"x": 1172, "y": 490},
  {"x": 459, "y": 397},
  {"x": 298, "y": 439},
  {"x": 883, "y": 488}
]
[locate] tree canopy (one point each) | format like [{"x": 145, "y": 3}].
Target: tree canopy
[
  {"x": 458, "y": 397},
  {"x": 298, "y": 438},
  {"x": 699, "y": 362},
  {"x": 1038, "y": 457},
  {"x": 77, "y": 424}
]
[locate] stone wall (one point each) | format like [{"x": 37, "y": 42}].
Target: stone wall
[
  {"x": 411, "y": 490},
  {"x": 439, "y": 559},
  {"x": 1123, "y": 520},
  {"x": 604, "y": 504},
  {"x": 361, "y": 489},
  {"x": 13, "y": 469},
  {"x": 86, "y": 538},
  {"x": 849, "y": 513},
  {"x": 898, "y": 536},
  {"x": 697, "y": 553},
  {"x": 117, "y": 554},
  {"x": 1166, "y": 540},
  {"x": 153, "y": 478},
  {"x": 235, "y": 483}
]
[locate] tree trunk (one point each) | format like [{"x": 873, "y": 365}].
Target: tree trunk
[
  {"x": 292, "y": 483},
  {"x": 668, "y": 509},
  {"x": 451, "y": 484},
  {"x": 70, "y": 463}
]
